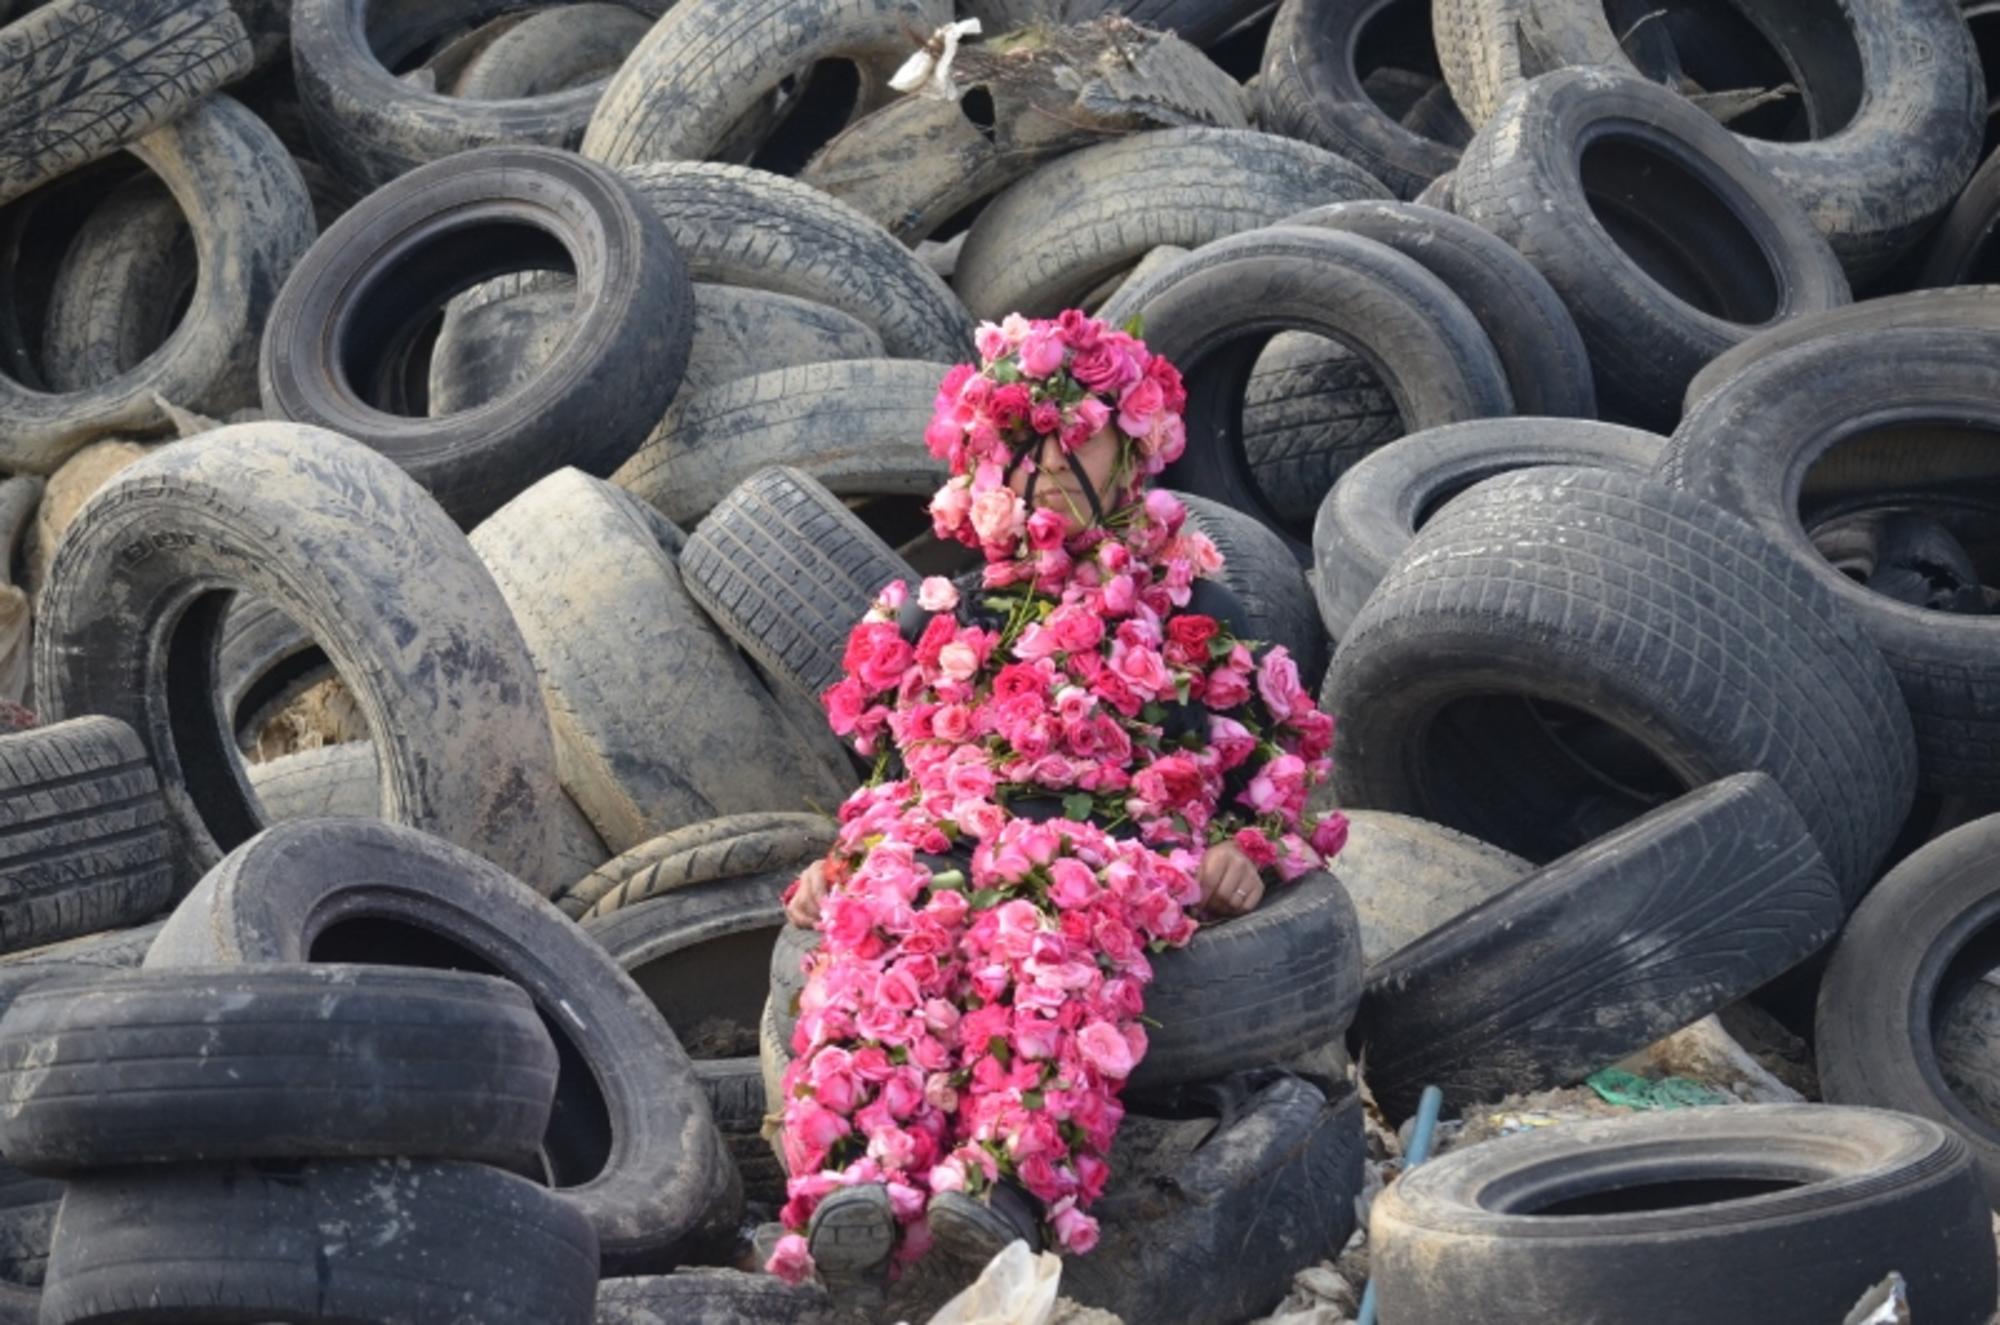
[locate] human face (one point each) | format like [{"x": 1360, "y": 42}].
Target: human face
[{"x": 1057, "y": 488}]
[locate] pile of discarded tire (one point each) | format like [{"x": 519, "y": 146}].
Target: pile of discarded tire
[{"x": 444, "y": 445}]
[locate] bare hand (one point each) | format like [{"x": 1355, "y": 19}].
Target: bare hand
[
  {"x": 1230, "y": 884},
  {"x": 803, "y": 909}
]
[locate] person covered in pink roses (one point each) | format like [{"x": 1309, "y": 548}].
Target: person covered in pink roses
[{"x": 1076, "y": 755}]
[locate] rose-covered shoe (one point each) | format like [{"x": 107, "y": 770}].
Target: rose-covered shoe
[
  {"x": 976, "y": 1231},
  {"x": 850, "y": 1236}
]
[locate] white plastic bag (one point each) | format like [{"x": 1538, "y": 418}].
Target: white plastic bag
[{"x": 1016, "y": 1288}]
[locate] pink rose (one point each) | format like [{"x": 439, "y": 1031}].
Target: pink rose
[
  {"x": 1104, "y": 368},
  {"x": 958, "y": 660},
  {"x": 997, "y": 515},
  {"x": 1076, "y": 1232},
  {"x": 1042, "y": 351},
  {"x": 1278, "y": 683},
  {"x": 1086, "y": 421},
  {"x": 1046, "y": 417},
  {"x": 1227, "y": 688},
  {"x": 790, "y": 1260},
  {"x": 937, "y": 594},
  {"x": 1046, "y": 529},
  {"x": 1330, "y": 835},
  {"x": 990, "y": 340},
  {"x": 1106, "y": 1050},
  {"x": 1137, "y": 406},
  {"x": 950, "y": 722}
]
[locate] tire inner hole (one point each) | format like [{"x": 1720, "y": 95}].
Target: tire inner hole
[
  {"x": 1678, "y": 229},
  {"x": 1533, "y": 775},
  {"x": 1395, "y": 58},
  {"x": 1756, "y": 46},
  {"x": 577, "y": 1145},
  {"x": 388, "y": 327},
  {"x": 810, "y": 111},
  {"x": 1965, "y": 1025},
  {"x": 1674, "y": 1194},
  {"x": 713, "y": 993}
]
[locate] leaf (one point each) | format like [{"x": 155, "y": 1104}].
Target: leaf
[
  {"x": 997, "y": 1046},
  {"x": 954, "y": 880},
  {"x": 1078, "y": 806},
  {"x": 1135, "y": 327},
  {"x": 1153, "y": 714},
  {"x": 1032, "y": 1099},
  {"x": 984, "y": 899},
  {"x": 1220, "y": 646}
]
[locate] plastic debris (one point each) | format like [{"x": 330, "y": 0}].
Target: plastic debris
[{"x": 1617, "y": 1086}]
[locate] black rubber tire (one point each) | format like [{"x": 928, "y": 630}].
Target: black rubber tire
[
  {"x": 278, "y": 1063},
  {"x": 717, "y": 850},
  {"x": 700, "y": 954},
  {"x": 240, "y": 1244},
  {"x": 553, "y": 50},
  {"x": 488, "y": 348},
  {"x": 1309, "y": 88},
  {"x": 251, "y": 220},
  {"x": 1915, "y": 949},
  {"x": 1603, "y": 952},
  {"x": 79, "y": 79},
  {"x": 1962, "y": 251},
  {"x": 786, "y": 570},
  {"x": 643, "y": 689},
  {"x": 1286, "y": 979},
  {"x": 737, "y": 226},
  {"x": 1722, "y": 247},
  {"x": 708, "y": 68},
  {"x": 1548, "y": 368},
  {"x": 1790, "y": 1210},
  {"x": 371, "y": 126},
  {"x": 119, "y": 291},
  {"x": 1079, "y": 221},
  {"x": 328, "y": 531},
  {"x": 1666, "y": 621},
  {"x": 1440, "y": 193},
  {"x": 711, "y": 1297},
  {"x": 1284, "y": 1159},
  {"x": 1895, "y": 102},
  {"x": 855, "y": 425},
  {"x": 1749, "y": 446},
  {"x": 1379, "y": 504},
  {"x": 1976, "y": 306},
  {"x": 1260, "y": 570},
  {"x": 1312, "y": 408},
  {"x": 631, "y": 1144},
  {"x": 107, "y": 950},
  {"x": 1211, "y": 311},
  {"x": 358, "y": 300},
  {"x": 85, "y": 842},
  {"x": 28, "y": 1207}
]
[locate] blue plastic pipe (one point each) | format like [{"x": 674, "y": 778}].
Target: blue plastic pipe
[{"x": 1429, "y": 1105}]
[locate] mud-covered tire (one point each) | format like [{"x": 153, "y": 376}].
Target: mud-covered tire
[
  {"x": 1198, "y": 21},
  {"x": 1603, "y": 952},
  {"x": 1911, "y": 954},
  {"x": 119, "y": 289},
  {"x": 855, "y": 425},
  {"x": 242, "y": 1243},
  {"x": 708, "y": 66},
  {"x": 1749, "y": 448},
  {"x": 1308, "y": 88},
  {"x": 1548, "y": 368},
  {"x": 264, "y": 664},
  {"x": 553, "y": 50},
  {"x": 642, "y": 688},
  {"x": 1552, "y": 1215},
  {"x": 28, "y": 1207},
  {"x": 400, "y": 253},
  {"x": 251, "y": 220},
  {"x": 1903, "y": 101},
  {"x": 1694, "y": 646},
  {"x": 85, "y": 842},
  {"x": 342, "y": 782},
  {"x": 1720, "y": 250},
  {"x": 1259, "y": 568},
  {"x": 1975, "y": 306},
  {"x": 1378, "y": 505},
  {"x": 1210, "y": 311},
  {"x": 1407, "y": 877},
  {"x": 631, "y": 1144},
  {"x": 81, "y": 79},
  {"x": 711, "y": 1297},
  {"x": 737, "y": 226},
  {"x": 786, "y": 570},
  {"x": 328, "y": 531},
  {"x": 732, "y": 847},
  {"x": 1081, "y": 220},
  {"x": 273, "y": 1063},
  {"x": 371, "y": 126},
  {"x": 1284, "y": 1158}
]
